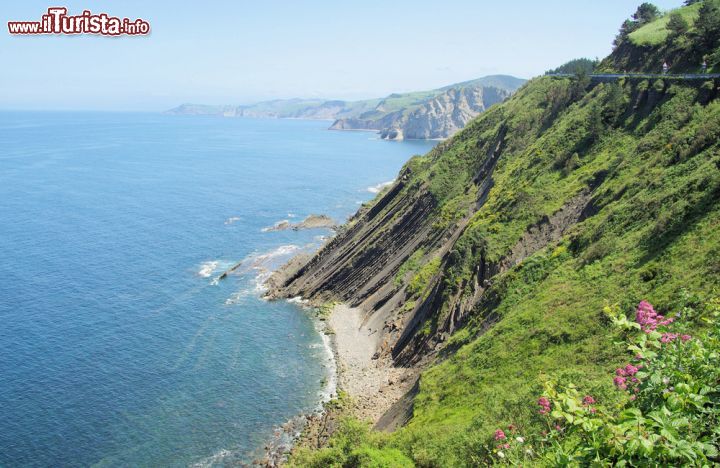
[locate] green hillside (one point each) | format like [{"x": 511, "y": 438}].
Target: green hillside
[
  {"x": 683, "y": 38},
  {"x": 657, "y": 32},
  {"x": 607, "y": 194}
]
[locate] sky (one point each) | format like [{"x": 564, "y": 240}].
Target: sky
[{"x": 242, "y": 51}]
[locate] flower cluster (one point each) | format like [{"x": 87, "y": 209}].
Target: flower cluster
[
  {"x": 670, "y": 337},
  {"x": 506, "y": 443},
  {"x": 625, "y": 376},
  {"x": 544, "y": 405},
  {"x": 667, "y": 388},
  {"x": 648, "y": 319},
  {"x": 587, "y": 401}
]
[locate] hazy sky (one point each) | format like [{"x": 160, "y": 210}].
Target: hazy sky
[{"x": 242, "y": 51}]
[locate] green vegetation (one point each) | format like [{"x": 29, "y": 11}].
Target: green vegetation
[
  {"x": 575, "y": 67},
  {"x": 683, "y": 38},
  {"x": 412, "y": 264},
  {"x": 421, "y": 279},
  {"x": 668, "y": 413},
  {"x": 657, "y": 32},
  {"x": 643, "y": 160},
  {"x": 353, "y": 444}
]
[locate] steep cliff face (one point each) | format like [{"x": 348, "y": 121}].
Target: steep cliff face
[
  {"x": 439, "y": 117},
  {"x": 488, "y": 264},
  {"x": 520, "y": 214}
]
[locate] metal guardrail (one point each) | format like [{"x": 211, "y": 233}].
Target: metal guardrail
[{"x": 610, "y": 76}]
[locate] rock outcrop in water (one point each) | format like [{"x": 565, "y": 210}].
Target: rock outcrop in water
[{"x": 311, "y": 222}]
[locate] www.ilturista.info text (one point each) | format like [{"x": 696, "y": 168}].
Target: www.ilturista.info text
[{"x": 57, "y": 21}]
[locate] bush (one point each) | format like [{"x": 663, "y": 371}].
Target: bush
[
  {"x": 669, "y": 412},
  {"x": 368, "y": 457}
]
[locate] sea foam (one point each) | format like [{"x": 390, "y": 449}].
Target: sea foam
[{"x": 378, "y": 188}]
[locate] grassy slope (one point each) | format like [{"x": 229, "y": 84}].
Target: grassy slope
[
  {"x": 655, "y": 234},
  {"x": 656, "y": 33},
  {"x": 652, "y": 44}
]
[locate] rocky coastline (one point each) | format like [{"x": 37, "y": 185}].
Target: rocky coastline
[{"x": 368, "y": 384}]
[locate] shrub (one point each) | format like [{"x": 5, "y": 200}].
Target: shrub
[{"x": 670, "y": 406}]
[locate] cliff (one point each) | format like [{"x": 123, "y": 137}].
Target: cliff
[
  {"x": 487, "y": 264},
  {"x": 435, "y": 113},
  {"x": 439, "y": 117}
]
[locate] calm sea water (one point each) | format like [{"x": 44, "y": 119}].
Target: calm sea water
[{"x": 118, "y": 346}]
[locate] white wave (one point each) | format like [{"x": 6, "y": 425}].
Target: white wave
[
  {"x": 262, "y": 266},
  {"x": 214, "y": 459},
  {"x": 281, "y": 251},
  {"x": 232, "y": 220},
  {"x": 330, "y": 390},
  {"x": 237, "y": 297},
  {"x": 378, "y": 188},
  {"x": 207, "y": 268},
  {"x": 297, "y": 300}
]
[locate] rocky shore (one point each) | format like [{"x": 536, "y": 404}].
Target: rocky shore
[
  {"x": 373, "y": 383},
  {"x": 368, "y": 382}
]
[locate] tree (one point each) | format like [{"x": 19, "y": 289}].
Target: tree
[
  {"x": 576, "y": 67},
  {"x": 646, "y": 13},
  {"x": 627, "y": 27},
  {"x": 707, "y": 26},
  {"x": 677, "y": 25},
  {"x": 691, "y": 2}
]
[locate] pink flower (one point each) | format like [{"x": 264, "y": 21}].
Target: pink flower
[
  {"x": 685, "y": 338},
  {"x": 544, "y": 405},
  {"x": 648, "y": 319},
  {"x": 506, "y": 446},
  {"x": 630, "y": 370},
  {"x": 588, "y": 400},
  {"x": 620, "y": 372},
  {"x": 632, "y": 397},
  {"x": 593, "y": 410},
  {"x": 500, "y": 435},
  {"x": 620, "y": 382},
  {"x": 668, "y": 337}
]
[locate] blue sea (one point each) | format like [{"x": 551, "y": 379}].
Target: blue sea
[{"x": 119, "y": 346}]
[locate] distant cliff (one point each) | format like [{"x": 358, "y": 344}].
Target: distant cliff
[
  {"x": 440, "y": 116},
  {"x": 437, "y": 113}
]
